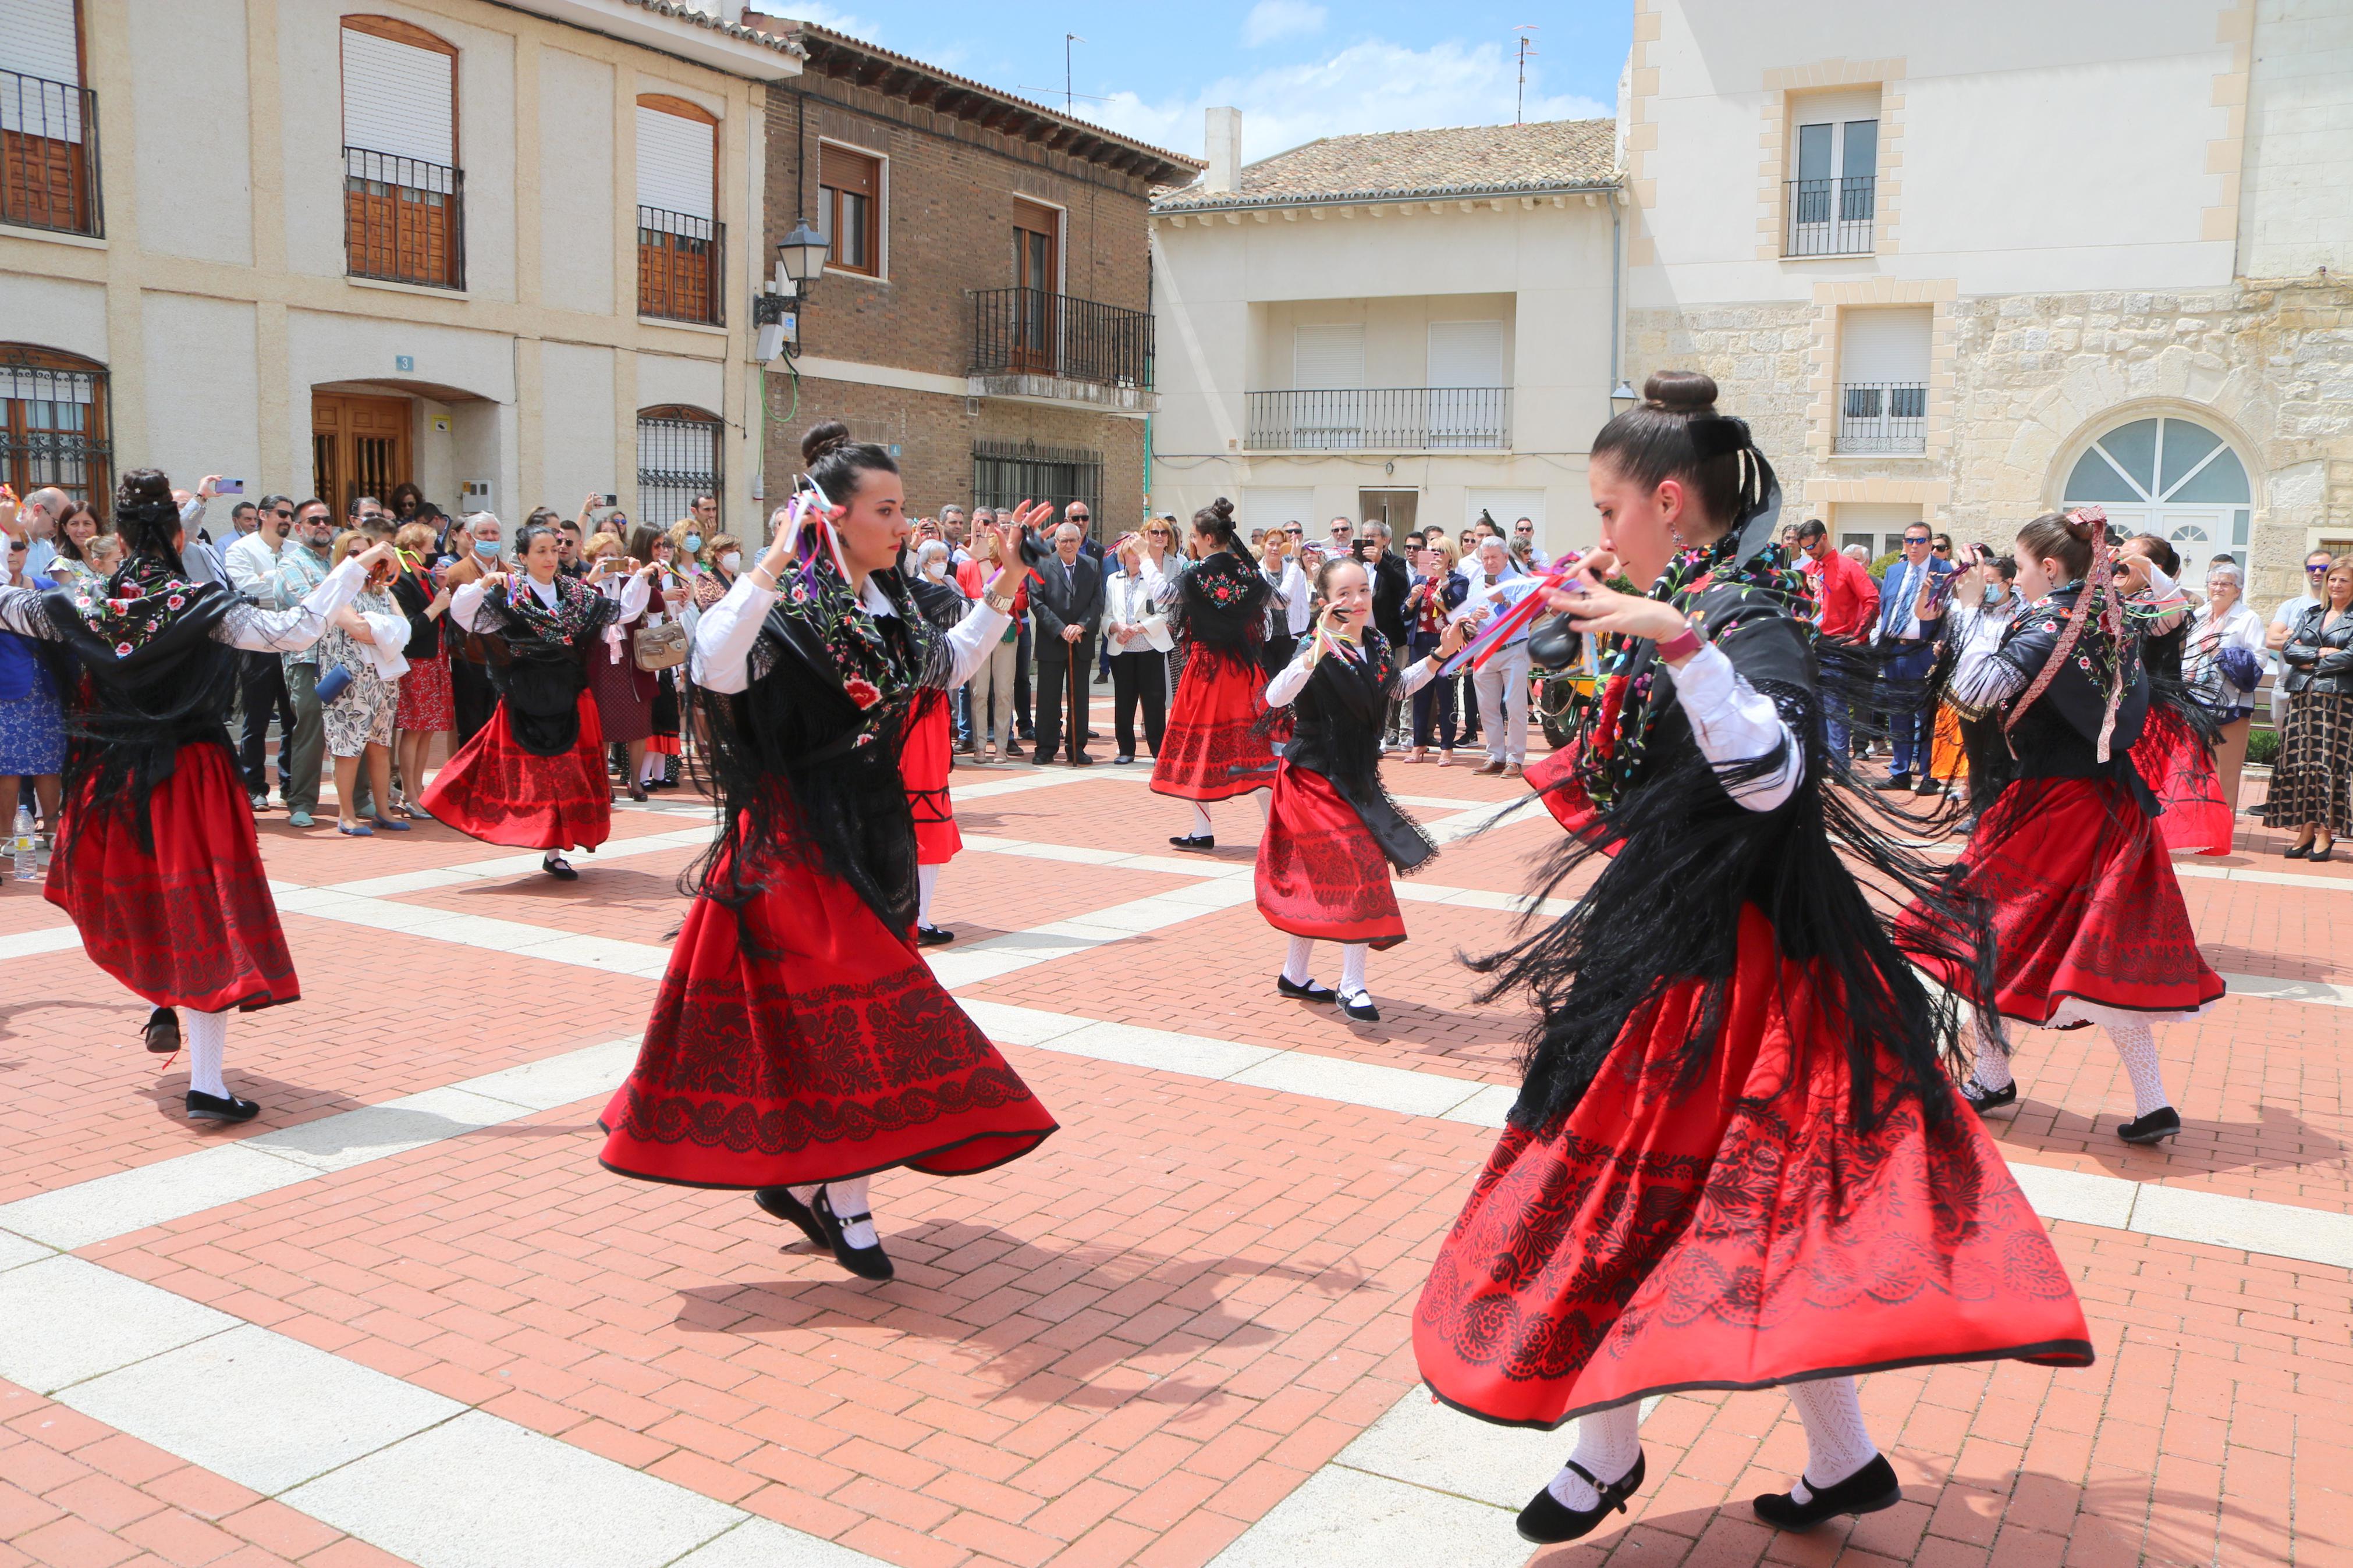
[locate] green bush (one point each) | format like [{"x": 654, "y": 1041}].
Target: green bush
[
  {"x": 2262, "y": 747},
  {"x": 1879, "y": 567}
]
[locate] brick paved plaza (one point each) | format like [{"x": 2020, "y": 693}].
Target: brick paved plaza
[{"x": 404, "y": 1316}]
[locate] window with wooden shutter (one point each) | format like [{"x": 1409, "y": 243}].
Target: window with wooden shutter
[
  {"x": 849, "y": 209},
  {"x": 682, "y": 246},
  {"x": 402, "y": 192},
  {"x": 48, "y": 165}
]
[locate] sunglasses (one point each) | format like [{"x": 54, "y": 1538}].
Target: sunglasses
[
  {"x": 1909, "y": 542},
  {"x": 2317, "y": 568}
]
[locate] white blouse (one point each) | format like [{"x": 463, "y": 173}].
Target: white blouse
[
  {"x": 466, "y": 604},
  {"x": 721, "y": 659},
  {"x": 246, "y": 626}
]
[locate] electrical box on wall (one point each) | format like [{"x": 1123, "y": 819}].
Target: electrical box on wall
[{"x": 474, "y": 495}]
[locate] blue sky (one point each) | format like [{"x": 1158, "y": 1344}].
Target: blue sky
[{"x": 1296, "y": 68}]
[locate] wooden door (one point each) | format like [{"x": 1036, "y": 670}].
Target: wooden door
[
  {"x": 1037, "y": 272},
  {"x": 359, "y": 447}
]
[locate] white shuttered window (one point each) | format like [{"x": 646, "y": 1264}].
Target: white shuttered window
[
  {"x": 1466, "y": 353},
  {"x": 675, "y": 158},
  {"x": 37, "y": 41},
  {"x": 1884, "y": 345},
  {"x": 399, "y": 99},
  {"x": 1328, "y": 356}
]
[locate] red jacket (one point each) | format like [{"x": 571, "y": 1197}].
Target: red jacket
[
  {"x": 973, "y": 578},
  {"x": 1845, "y": 592}
]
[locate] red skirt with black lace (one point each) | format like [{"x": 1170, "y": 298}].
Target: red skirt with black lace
[
  {"x": 800, "y": 1039},
  {"x": 191, "y": 924},
  {"x": 925, "y": 758},
  {"x": 1734, "y": 1232},
  {"x": 1320, "y": 873},
  {"x": 2180, "y": 771},
  {"x": 496, "y": 791},
  {"x": 1213, "y": 748}
]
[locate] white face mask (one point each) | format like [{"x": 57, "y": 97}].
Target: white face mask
[
  {"x": 936, "y": 569},
  {"x": 733, "y": 560}
]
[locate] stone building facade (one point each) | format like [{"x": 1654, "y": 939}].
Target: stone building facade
[{"x": 995, "y": 333}]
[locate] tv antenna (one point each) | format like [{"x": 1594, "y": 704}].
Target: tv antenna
[
  {"x": 1528, "y": 47},
  {"x": 1068, "y": 97}
]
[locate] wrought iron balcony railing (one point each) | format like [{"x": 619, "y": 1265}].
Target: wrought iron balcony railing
[
  {"x": 1832, "y": 217},
  {"x": 48, "y": 155},
  {"x": 1381, "y": 418},
  {"x": 1028, "y": 331},
  {"x": 681, "y": 267},
  {"x": 1882, "y": 416},
  {"x": 404, "y": 219}
]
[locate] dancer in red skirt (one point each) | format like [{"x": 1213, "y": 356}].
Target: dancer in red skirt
[
  {"x": 799, "y": 1043},
  {"x": 1215, "y": 747},
  {"x": 930, "y": 752},
  {"x": 1332, "y": 832},
  {"x": 2176, "y": 752},
  {"x": 1736, "y": 1160},
  {"x": 156, "y": 860},
  {"x": 533, "y": 777},
  {"x": 2088, "y": 922}
]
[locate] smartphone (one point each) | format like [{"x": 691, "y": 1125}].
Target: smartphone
[
  {"x": 612, "y": 500},
  {"x": 231, "y": 488}
]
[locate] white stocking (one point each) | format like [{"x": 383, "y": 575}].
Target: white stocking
[
  {"x": 848, "y": 1198},
  {"x": 1992, "y": 1071},
  {"x": 652, "y": 768},
  {"x": 2137, "y": 1046},
  {"x": 208, "y": 1043},
  {"x": 1295, "y": 966},
  {"x": 1265, "y": 798},
  {"x": 1837, "y": 1442},
  {"x": 1202, "y": 828},
  {"x": 927, "y": 882},
  {"x": 1352, "y": 969},
  {"x": 1607, "y": 1443}
]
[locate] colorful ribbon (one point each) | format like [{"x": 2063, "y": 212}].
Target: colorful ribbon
[{"x": 1501, "y": 630}]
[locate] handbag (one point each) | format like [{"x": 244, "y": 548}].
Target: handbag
[
  {"x": 661, "y": 646},
  {"x": 334, "y": 684}
]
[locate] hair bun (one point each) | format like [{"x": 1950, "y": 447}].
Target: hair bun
[
  {"x": 143, "y": 488},
  {"x": 822, "y": 437},
  {"x": 1681, "y": 391},
  {"x": 1222, "y": 509},
  {"x": 2082, "y": 526}
]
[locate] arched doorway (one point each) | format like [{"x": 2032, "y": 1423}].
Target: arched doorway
[{"x": 2170, "y": 475}]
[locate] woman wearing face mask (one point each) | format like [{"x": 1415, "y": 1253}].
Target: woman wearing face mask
[
  {"x": 799, "y": 1043},
  {"x": 1333, "y": 833},
  {"x": 2223, "y": 667},
  {"x": 535, "y": 777},
  {"x": 930, "y": 752},
  {"x": 623, "y": 693},
  {"x": 1736, "y": 1160},
  {"x": 2088, "y": 922},
  {"x": 1986, "y": 603}
]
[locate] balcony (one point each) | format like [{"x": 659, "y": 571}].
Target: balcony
[
  {"x": 1830, "y": 218},
  {"x": 1882, "y": 416},
  {"x": 1027, "y": 342},
  {"x": 1380, "y": 419},
  {"x": 48, "y": 156},
  {"x": 681, "y": 268},
  {"x": 403, "y": 220}
]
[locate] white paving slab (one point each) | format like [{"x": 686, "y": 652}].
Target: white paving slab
[
  {"x": 15, "y": 1251},
  {"x": 2278, "y": 989},
  {"x": 1425, "y": 1444},
  {"x": 1341, "y": 1518},
  {"x": 124, "y": 1201},
  {"x": 34, "y": 943},
  {"x": 1163, "y": 1050},
  {"x": 2185, "y": 1214},
  {"x": 762, "y": 1543},
  {"x": 2082, "y": 1196},
  {"x": 551, "y": 1081},
  {"x": 1488, "y": 1108},
  {"x": 480, "y": 1492},
  {"x": 1400, "y": 1089},
  {"x": 502, "y": 866},
  {"x": 64, "y": 1321},
  {"x": 264, "y": 1410}
]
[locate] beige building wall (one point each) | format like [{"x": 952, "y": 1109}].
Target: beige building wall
[{"x": 218, "y": 299}]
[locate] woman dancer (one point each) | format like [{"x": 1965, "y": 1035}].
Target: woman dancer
[
  {"x": 2176, "y": 750},
  {"x": 1736, "y": 1160},
  {"x": 798, "y": 1043},
  {"x": 156, "y": 860},
  {"x": 2088, "y": 922},
  {"x": 533, "y": 777},
  {"x": 930, "y": 752},
  {"x": 1215, "y": 748},
  {"x": 1333, "y": 833}
]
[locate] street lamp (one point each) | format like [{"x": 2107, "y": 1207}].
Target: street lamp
[
  {"x": 802, "y": 255},
  {"x": 1622, "y": 397}
]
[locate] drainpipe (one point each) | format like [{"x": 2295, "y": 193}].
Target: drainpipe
[{"x": 1617, "y": 318}]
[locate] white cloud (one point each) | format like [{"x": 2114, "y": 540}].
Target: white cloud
[
  {"x": 1271, "y": 19},
  {"x": 1373, "y": 85}
]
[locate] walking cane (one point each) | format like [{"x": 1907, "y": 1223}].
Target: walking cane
[{"x": 1078, "y": 714}]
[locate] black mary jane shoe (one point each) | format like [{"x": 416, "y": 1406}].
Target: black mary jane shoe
[
  {"x": 557, "y": 866},
  {"x": 1311, "y": 991},
  {"x": 220, "y": 1108},
  {"x": 2158, "y": 1125},
  {"x": 162, "y": 1031},
  {"x": 1362, "y": 1009},
  {"x": 1982, "y": 1100},
  {"x": 780, "y": 1203},
  {"x": 934, "y": 936},
  {"x": 1867, "y": 1490},
  {"x": 865, "y": 1262},
  {"x": 1195, "y": 841},
  {"x": 1548, "y": 1521}
]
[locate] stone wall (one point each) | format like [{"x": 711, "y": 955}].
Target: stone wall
[{"x": 2035, "y": 378}]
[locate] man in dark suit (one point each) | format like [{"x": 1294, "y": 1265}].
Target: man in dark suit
[
  {"x": 1068, "y": 600},
  {"x": 1912, "y": 636}
]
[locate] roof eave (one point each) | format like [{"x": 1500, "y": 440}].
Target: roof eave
[
  {"x": 1390, "y": 198},
  {"x": 682, "y": 31}
]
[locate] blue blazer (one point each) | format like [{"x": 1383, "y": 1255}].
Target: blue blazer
[{"x": 1900, "y": 587}]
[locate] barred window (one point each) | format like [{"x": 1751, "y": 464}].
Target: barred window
[
  {"x": 678, "y": 459},
  {"x": 53, "y": 424},
  {"x": 1005, "y": 473}
]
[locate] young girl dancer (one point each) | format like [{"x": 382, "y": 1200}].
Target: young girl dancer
[
  {"x": 1736, "y": 1160},
  {"x": 2088, "y": 922},
  {"x": 156, "y": 860},
  {"x": 799, "y": 1043},
  {"x": 1333, "y": 833},
  {"x": 1217, "y": 749},
  {"x": 930, "y": 752}
]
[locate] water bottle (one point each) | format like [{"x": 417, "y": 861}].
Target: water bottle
[{"x": 21, "y": 843}]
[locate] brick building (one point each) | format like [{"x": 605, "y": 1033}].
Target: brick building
[{"x": 985, "y": 307}]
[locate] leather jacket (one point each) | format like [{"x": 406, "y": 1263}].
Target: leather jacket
[{"x": 2320, "y": 660}]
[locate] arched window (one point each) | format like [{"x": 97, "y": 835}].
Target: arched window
[
  {"x": 404, "y": 195},
  {"x": 2170, "y": 476},
  {"x": 53, "y": 424},
  {"x": 678, "y": 450}
]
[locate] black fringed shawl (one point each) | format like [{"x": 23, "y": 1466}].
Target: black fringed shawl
[
  {"x": 1338, "y": 718},
  {"x": 1686, "y": 858},
  {"x": 1220, "y": 603},
  {"x": 538, "y": 659}
]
